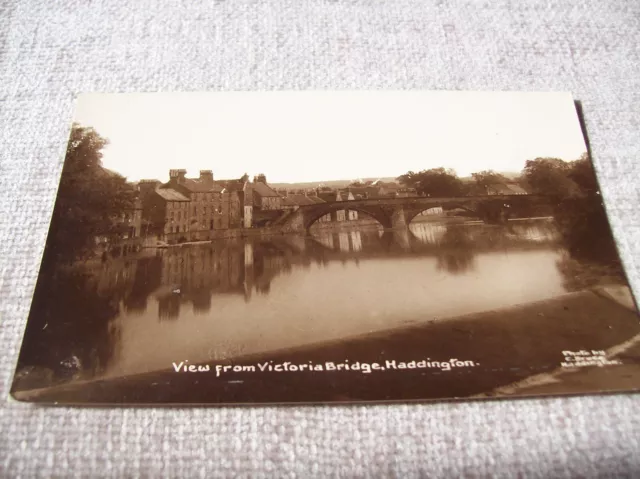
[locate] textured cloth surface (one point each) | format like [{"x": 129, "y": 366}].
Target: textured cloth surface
[{"x": 51, "y": 50}]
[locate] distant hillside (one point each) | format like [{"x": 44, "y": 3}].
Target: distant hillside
[
  {"x": 508, "y": 174},
  {"x": 330, "y": 184},
  {"x": 344, "y": 183}
]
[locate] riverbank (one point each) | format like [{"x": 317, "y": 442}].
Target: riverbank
[{"x": 505, "y": 346}]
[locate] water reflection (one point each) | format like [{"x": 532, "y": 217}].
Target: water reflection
[{"x": 246, "y": 296}]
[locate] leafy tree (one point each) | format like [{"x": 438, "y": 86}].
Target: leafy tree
[
  {"x": 550, "y": 176},
  {"x": 486, "y": 178},
  {"x": 582, "y": 173},
  {"x": 360, "y": 183},
  {"x": 90, "y": 199},
  {"x": 436, "y": 182}
]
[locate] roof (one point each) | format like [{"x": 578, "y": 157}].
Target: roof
[
  {"x": 315, "y": 199},
  {"x": 300, "y": 199},
  {"x": 344, "y": 194},
  {"x": 365, "y": 191},
  {"x": 171, "y": 195},
  {"x": 507, "y": 189},
  {"x": 263, "y": 189},
  {"x": 328, "y": 195},
  {"x": 231, "y": 185},
  {"x": 200, "y": 186},
  {"x": 517, "y": 189}
]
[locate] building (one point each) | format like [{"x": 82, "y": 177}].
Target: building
[
  {"x": 192, "y": 209},
  {"x": 292, "y": 201},
  {"x": 505, "y": 189},
  {"x": 240, "y": 202},
  {"x": 265, "y": 197}
]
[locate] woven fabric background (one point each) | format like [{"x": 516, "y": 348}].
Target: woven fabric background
[{"x": 50, "y": 50}]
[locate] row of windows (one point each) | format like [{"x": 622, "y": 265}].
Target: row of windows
[
  {"x": 177, "y": 205},
  {"x": 184, "y": 205},
  {"x": 205, "y": 196},
  {"x": 184, "y": 214}
]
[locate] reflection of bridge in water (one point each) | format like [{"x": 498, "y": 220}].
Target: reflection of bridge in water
[
  {"x": 431, "y": 238},
  {"x": 199, "y": 273},
  {"x": 397, "y": 213}
]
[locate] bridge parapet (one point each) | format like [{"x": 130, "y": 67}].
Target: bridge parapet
[{"x": 394, "y": 213}]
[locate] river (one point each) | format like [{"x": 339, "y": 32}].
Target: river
[{"x": 243, "y": 297}]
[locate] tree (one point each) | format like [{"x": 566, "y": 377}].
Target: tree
[
  {"x": 486, "y": 178},
  {"x": 436, "y": 182},
  {"x": 90, "y": 198},
  {"x": 550, "y": 176},
  {"x": 582, "y": 173}
]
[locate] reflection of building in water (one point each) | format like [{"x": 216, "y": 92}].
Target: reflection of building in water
[
  {"x": 169, "y": 306},
  {"x": 115, "y": 275},
  {"x": 194, "y": 274},
  {"x": 345, "y": 242},
  {"x": 356, "y": 241},
  {"x": 147, "y": 279},
  {"x": 325, "y": 239},
  {"x": 430, "y": 233},
  {"x": 536, "y": 233}
]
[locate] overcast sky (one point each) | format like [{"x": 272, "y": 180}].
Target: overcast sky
[{"x": 316, "y": 136}]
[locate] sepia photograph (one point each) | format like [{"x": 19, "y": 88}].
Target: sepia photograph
[{"x": 320, "y": 247}]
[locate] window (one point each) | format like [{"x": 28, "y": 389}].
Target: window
[
  {"x": 204, "y": 210},
  {"x": 211, "y": 225}
]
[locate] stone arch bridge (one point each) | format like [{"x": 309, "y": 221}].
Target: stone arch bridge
[{"x": 396, "y": 213}]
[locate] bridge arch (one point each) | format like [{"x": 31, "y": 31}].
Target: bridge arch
[
  {"x": 377, "y": 213},
  {"x": 412, "y": 212}
]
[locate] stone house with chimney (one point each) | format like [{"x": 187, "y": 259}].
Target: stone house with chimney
[
  {"x": 192, "y": 209},
  {"x": 265, "y": 197}
]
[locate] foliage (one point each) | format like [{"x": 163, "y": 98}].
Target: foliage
[
  {"x": 582, "y": 174},
  {"x": 579, "y": 215},
  {"x": 484, "y": 179},
  {"x": 71, "y": 333},
  {"x": 360, "y": 183},
  {"x": 90, "y": 199},
  {"x": 550, "y": 177},
  {"x": 436, "y": 182}
]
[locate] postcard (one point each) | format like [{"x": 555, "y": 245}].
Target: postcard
[{"x": 325, "y": 247}]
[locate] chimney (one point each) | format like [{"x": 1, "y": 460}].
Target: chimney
[
  {"x": 147, "y": 186},
  {"x": 177, "y": 176},
  {"x": 206, "y": 176}
]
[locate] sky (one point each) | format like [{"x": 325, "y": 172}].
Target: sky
[{"x": 323, "y": 135}]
